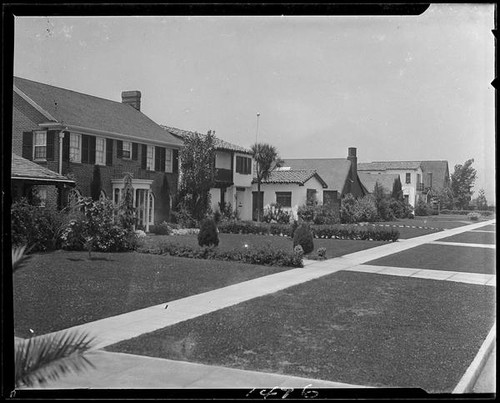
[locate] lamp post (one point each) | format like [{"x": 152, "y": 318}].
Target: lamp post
[{"x": 257, "y": 131}]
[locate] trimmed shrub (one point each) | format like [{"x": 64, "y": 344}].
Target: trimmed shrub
[
  {"x": 365, "y": 209},
  {"x": 298, "y": 250},
  {"x": 304, "y": 238},
  {"x": 208, "y": 235},
  {"x": 347, "y": 209},
  {"x": 322, "y": 253},
  {"x": 474, "y": 216},
  {"x": 160, "y": 229}
]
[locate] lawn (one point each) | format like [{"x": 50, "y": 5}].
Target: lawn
[
  {"x": 334, "y": 247},
  {"x": 488, "y": 238},
  {"x": 63, "y": 289},
  {"x": 442, "y": 257},
  {"x": 358, "y": 328}
]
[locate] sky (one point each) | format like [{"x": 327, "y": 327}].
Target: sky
[{"x": 404, "y": 88}]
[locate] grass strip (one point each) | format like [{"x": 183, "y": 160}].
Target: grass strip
[{"x": 356, "y": 328}]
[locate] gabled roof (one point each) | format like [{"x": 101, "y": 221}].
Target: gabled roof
[
  {"x": 385, "y": 180},
  {"x": 293, "y": 176},
  {"x": 219, "y": 144},
  {"x": 334, "y": 171},
  {"x": 23, "y": 169},
  {"x": 77, "y": 109},
  {"x": 387, "y": 165},
  {"x": 440, "y": 173}
]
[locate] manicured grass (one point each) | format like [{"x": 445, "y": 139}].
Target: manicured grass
[
  {"x": 472, "y": 237},
  {"x": 356, "y": 328},
  {"x": 442, "y": 257},
  {"x": 490, "y": 227},
  {"x": 63, "y": 289},
  {"x": 334, "y": 247}
]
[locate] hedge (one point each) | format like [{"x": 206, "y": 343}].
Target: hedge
[
  {"x": 261, "y": 256},
  {"x": 485, "y": 213},
  {"x": 334, "y": 231}
]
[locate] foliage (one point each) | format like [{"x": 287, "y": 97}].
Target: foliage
[
  {"x": 474, "y": 216},
  {"x": 365, "y": 209},
  {"x": 48, "y": 357},
  {"x": 304, "y": 238},
  {"x": 183, "y": 217},
  {"x": 482, "y": 203},
  {"x": 37, "y": 227},
  {"x": 126, "y": 212},
  {"x": 397, "y": 190},
  {"x": 485, "y": 213},
  {"x": 347, "y": 209},
  {"x": 257, "y": 256},
  {"x": 298, "y": 250},
  {"x": 423, "y": 209},
  {"x": 208, "y": 235},
  {"x": 95, "y": 185},
  {"x": 322, "y": 253},
  {"x": 462, "y": 181},
  {"x": 161, "y": 229},
  {"x": 400, "y": 209},
  {"x": 276, "y": 214},
  {"x": 267, "y": 160},
  {"x": 198, "y": 174},
  {"x": 381, "y": 203},
  {"x": 314, "y": 213}
]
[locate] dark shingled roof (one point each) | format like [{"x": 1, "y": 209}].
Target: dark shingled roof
[
  {"x": 385, "y": 180},
  {"x": 385, "y": 165},
  {"x": 219, "y": 144},
  {"x": 293, "y": 176},
  {"x": 24, "y": 169},
  {"x": 333, "y": 171},
  {"x": 77, "y": 109}
]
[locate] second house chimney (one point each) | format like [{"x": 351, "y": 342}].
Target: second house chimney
[
  {"x": 351, "y": 156},
  {"x": 132, "y": 98}
]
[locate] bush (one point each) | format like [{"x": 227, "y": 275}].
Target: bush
[
  {"x": 298, "y": 250},
  {"x": 304, "y": 238},
  {"x": 275, "y": 214},
  {"x": 318, "y": 214},
  {"x": 160, "y": 229},
  {"x": 262, "y": 256},
  {"x": 474, "y": 216},
  {"x": 347, "y": 209},
  {"x": 322, "y": 253},
  {"x": 208, "y": 235},
  {"x": 423, "y": 209},
  {"x": 400, "y": 209},
  {"x": 38, "y": 228},
  {"x": 365, "y": 209}
]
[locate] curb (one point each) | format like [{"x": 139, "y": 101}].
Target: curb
[{"x": 472, "y": 374}]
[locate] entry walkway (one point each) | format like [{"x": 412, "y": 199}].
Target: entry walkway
[{"x": 121, "y": 370}]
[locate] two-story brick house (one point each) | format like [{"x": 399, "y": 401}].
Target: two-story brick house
[
  {"x": 233, "y": 175},
  {"x": 87, "y": 138}
]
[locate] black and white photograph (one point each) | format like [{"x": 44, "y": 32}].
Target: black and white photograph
[{"x": 271, "y": 202}]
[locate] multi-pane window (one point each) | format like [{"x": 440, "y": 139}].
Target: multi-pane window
[
  {"x": 284, "y": 199},
  {"x": 127, "y": 150},
  {"x": 168, "y": 160},
  {"x": 243, "y": 165},
  {"x": 408, "y": 178},
  {"x": 40, "y": 145},
  {"x": 100, "y": 151},
  {"x": 75, "y": 147},
  {"x": 150, "y": 158}
]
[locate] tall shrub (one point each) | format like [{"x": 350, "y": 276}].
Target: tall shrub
[
  {"x": 347, "y": 209},
  {"x": 208, "y": 235},
  {"x": 304, "y": 238}
]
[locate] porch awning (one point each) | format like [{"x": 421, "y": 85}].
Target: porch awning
[{"x": 30, "y": 172}]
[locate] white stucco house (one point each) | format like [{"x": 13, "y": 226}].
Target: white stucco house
[
  {"x": 233, "y": 176},
  {"x": 290, "y": 189}
]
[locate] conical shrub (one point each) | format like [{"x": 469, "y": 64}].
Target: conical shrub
[
  {"x": 304, "y": 238},
  {"x": 208, "y": 235}
]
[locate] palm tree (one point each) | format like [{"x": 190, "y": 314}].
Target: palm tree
[
  {"x": 267, "y": 160},
  {"x": 47, "y": 357}
]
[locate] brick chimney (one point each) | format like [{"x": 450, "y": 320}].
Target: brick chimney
[
  {"x": 351, "y": 156},
  {"x": 132, "y": 98}
]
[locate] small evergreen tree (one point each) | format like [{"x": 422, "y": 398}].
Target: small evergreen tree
[
  {"x": 304, "y": 238},
  {"x": 127, "y": 209},
  {"x": 95, "y": 185},
  {"x": 208, "y": 235},
  {"x": 397, "y": 190}
]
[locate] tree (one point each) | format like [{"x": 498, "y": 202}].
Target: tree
[
  {"x": 267, "y": 160},
  {"x": 197, "y": 174},
  {"x": 127, "y": 210},
  {"x": 95, "y": 185},
  {"x": 381, "y": 203},
  {"x": 48, "y": 357},
  {"x": 482, "y": 203},
  {"x": 397, "y": 189},
  {"x": 462, "y": 181}
]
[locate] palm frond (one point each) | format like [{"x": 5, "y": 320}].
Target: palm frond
[
  {"x": 19, "y": 258},
  {"x": 48, "y": 357}
]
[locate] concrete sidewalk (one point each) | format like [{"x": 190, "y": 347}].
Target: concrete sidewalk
[{"x": 116, "y": 370}]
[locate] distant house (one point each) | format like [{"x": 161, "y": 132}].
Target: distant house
[
  {"x": 233, "y": 175},
  {"x": 417, "y": 177},
  {"x": 76, "y": 135},
  {"x": 290, "y": 189},
  {"x": 30, "y": 180},
  {"x": 339, "y": 174}
]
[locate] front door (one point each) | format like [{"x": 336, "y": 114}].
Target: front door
[{"x": 255, "y": 206}]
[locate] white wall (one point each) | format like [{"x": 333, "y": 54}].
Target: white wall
[
  {"x": 409, "y": 189},
  {"x": 239, "y": 179},
  {"x": 299, "y": 193}
]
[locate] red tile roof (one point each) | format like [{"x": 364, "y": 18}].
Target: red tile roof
[
  {"x": 293, "y": 176},
  {"x": 387, "y": 165}
]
